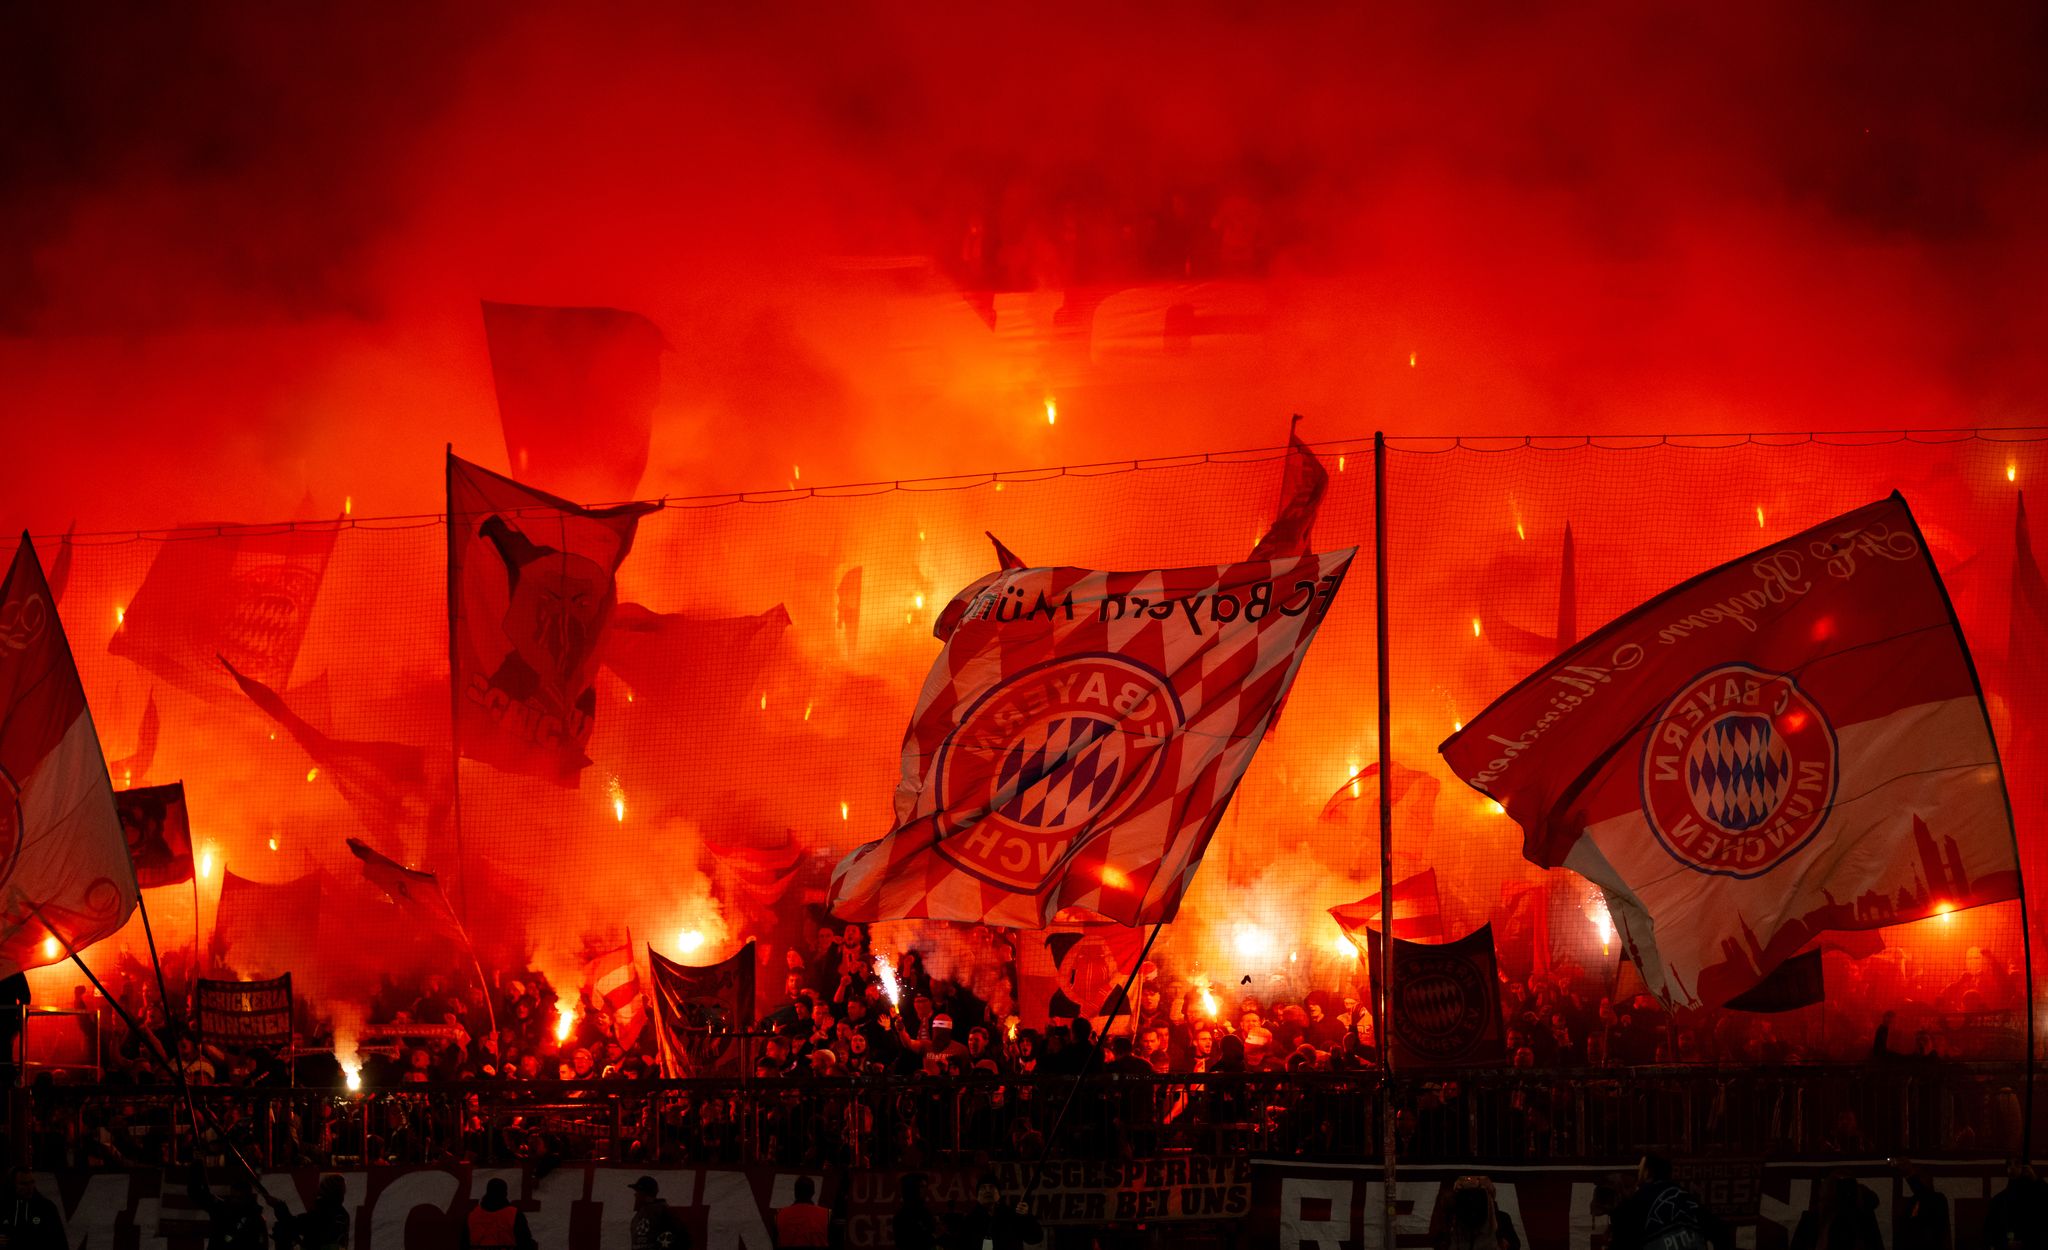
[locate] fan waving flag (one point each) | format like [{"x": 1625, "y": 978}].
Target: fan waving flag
[
  {"x": 612, "y": 983},
  {"x": 1079, "y": 737},
  {"x": 64, "y": 868},
  {"x": 1791, "y": 743},
  {"x": 530, "y": 591},
  {"x": 699, "y": 1010}
]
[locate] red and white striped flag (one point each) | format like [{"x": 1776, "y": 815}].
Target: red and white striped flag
[
  {"x": 1080, "y": 736},
  {"x": 64, "y": 868},
  {"x": 612, "y": 981},
  {"x": 1792, "y": 743},
  {"x": 1418, "y": 911}
]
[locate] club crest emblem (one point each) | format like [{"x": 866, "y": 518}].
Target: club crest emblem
[
  {"x": 1042, "y": 762},
  {"x": 1739, "y": 771},
  {"x": 1443, "y": 1009}
]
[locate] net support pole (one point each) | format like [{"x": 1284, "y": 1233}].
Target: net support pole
[
  {"x": 455, "y": 710},
  {"x": 1383, "y": 976}
]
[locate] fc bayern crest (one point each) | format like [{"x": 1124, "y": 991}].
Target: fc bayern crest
[
  {"x": 1739, "y": 771},
  {"x": 1443, "y": 1008},
  {"x": 1045, "y": 760}
]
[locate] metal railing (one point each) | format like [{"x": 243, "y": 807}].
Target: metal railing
[{"x": 1816, "y": 1112}]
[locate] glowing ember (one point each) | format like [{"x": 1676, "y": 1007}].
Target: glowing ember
[
  {"x": 844, "y": 810},
  {"x": 312, "y": 774},
  {"x": 1340, "y": 464},
  {"x": 1520, "y": 533},
  {"x": 1475, "y": 627},
  {"x": 1457, "y": 726},
  {"x": 2012, "y": 472},
  {"x": 1052, "y": 411},
  {"x": 1495, "y": 809},
  {"x": 891, "y": 988},
  {"x": 1947, "y": 912},
  {"x": 273, "y": 844},
  {"x": 1759, "y": 516},
  {"x": 120, "y": 615},
  {"x": 565, "y": 1021},
  {"x": 917, "y": 600},
  {"x": 689, "y": 940},
  {"x": 51, "y": 947},
  {"x": 348, "y": 505},
  {"x": 1357, "y": 786},
  {"x": 127, "y": 777},
  {"x": 796, "y": 473},
  {"x": 807, "y": 711},
  {"x": 764, "y": 700},
  {"x": 1411, "y": 360}
]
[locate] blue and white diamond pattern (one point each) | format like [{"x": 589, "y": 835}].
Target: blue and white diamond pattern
[
  {"x": 1738, "y": 770},
  {"x": 1060, "y": 772}
]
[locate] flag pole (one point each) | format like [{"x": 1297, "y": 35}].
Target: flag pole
[
  {"x": 455, "y": 717},
  {"x": 1383, "y": 976}
]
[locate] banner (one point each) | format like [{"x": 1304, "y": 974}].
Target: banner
[
  {"x": 697, "y": 1010},
  {"x": 530, "y": 592},
  {"x": 260, "y": 929},
  {"x": 1079, "y": 737},
  {"x": 159, "y": 833},
  {"x": 576, "y": 395},
  {"x": 225, "y": 592},
  {"x": 246, "y": 1013},
  {"x": 63, "y": 856},
  {"x": 1446, "y": 1002},
  {"x": 1790, "y": 743}
]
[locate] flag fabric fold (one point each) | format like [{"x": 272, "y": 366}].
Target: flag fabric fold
[
  {"x": 699, "y": 1010},
  {"x": 130, "y": 769},
  {"x": 1079, "y": 737},
  {"x": 531, "y": 589},
  {"x": 1445, "y": 1003},
  {"x": 1302, "y": 483},
  {"x": 681, "y": 664},
  {"x": 159, "y": 833},
  {"x": 64, "y": 868},
  {"x": 576, "y": 394},
  {"x": 417, "y": 893},
  {"x": 377, "y": 779},
  {"x": 1418, "y": 911},
  {"x": 1790, "y": 743}
]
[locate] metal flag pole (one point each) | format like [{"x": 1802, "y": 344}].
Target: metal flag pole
[
  {"x": 1383, "y": 976},
  {"x": 455, "y": 703}
]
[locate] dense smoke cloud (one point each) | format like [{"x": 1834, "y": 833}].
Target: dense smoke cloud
[{"x": 246, "y": 248}]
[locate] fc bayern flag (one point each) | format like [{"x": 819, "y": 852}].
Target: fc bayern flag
[
  {"x": 1791, "y": 743},
  {"x": 1302, "y": 483},
  {"x": 159, "y": 833},
  {"x": 64, "y": 867},
  {"x": 1446, "y": 1002},
  {"x": 530, "y": 591},
  {"x": 1079, "y": 737},
  {"x": 699, "y": 1010},
  {"x": 1418, "y": 911}
]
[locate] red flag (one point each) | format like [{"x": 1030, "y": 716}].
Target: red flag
[
  {"x": 576, "y": 395},
  {"x": 611, "y": 981},
  {"x": 243, "y": 594},
  {"x": 1446, "y": 1002},
  {"x": 678, "y": 664},
  {"x": 133, "y": 768},
  {"x": 530, "y": 591},
  {"x": 1302, "y": 483},
  {"x": 418, "y": 893},
  {"x": 752, "y": 874},
  {"x": 1079, "y": 737},
  {"x": 1790, "y": 743},
  {"x": 1366, "y": 782},
  {"x": 159, "y": 833},
  {"x": 64, "y": 867},
  {"x": 60, "y": 568},
  {"x": 265, "y": 930},
  {"x": 375, "y": 778},
  {"x": 1005, "y": 558},
  {"x": 1513, "y": 638},
  {"x": 1418, "y": 911},
  {"x": 1075, "y": 971},
  {"x": 696, "y": 1010}
]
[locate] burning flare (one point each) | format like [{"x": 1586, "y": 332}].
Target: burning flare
[
  {"x": 689, "y": 940},
  {"x": 565, "y": 1021},
  {"x": 891, "y": 988}
]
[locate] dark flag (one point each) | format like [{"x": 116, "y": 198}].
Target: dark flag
[
  {"x": 65, "y": 873},
  {"x": 697, "y": 1011},
  {"x": 846, "y": 610},
  {"x": 418, "y": 893},
  {"x": 131, "y": 769},
  {"x": 60, "y": 568},
  {"x": 1791, "y": 985},
  {"x": 1446, "y": 1002},
  {"x": 159, "y": 833},
  {"x": 262, "y": 929},
  {"x": 1515, "y": 639},
  {"x": 1302, "y": 483},
  {"x": 375, "y": 778},
  {"x": 681, "y": 664},
  {"x": 1791, "y": 743},
  {"x": 576, "y": 395},
  {"x": 530, "y": 591},
  {"x": 244, "y": 595}
]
